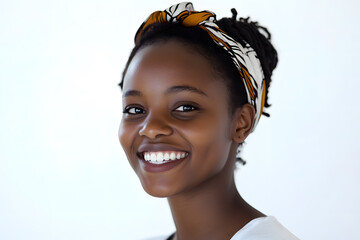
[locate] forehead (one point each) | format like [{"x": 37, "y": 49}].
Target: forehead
[{"x": 171, "y": 63}]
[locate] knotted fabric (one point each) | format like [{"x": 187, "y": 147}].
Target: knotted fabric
[{"x": 244, "y": 57}]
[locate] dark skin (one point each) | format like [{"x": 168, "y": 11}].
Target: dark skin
[{"x": 174, "y": 100}]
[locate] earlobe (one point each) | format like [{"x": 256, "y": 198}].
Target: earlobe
[{"x": 243, "y": 122}]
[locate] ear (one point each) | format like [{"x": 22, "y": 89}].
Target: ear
[{"x": 243, "y": 122}]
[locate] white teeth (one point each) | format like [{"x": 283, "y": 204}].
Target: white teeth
[
  {"x": 160, "y": 157},
  {"x": 156, "y": 162},
  {"x": 163, "y": 157}
]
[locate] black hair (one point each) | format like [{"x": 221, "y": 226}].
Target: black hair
[{"x": 242, "y": 30}]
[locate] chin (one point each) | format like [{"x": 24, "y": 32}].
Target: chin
[
  {"x": 155, "y": 191},
  {"x": 158, "y": 187}
]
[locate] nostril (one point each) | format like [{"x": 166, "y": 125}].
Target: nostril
[{"x": 155, "y": 129}]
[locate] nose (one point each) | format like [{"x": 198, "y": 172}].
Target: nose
[{"x": 154, "y": 127}]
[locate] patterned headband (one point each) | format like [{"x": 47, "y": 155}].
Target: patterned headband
[{"x": 244, "y": 58}]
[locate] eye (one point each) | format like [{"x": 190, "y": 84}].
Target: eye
[
  {"x": 185, "y": 108},
  {"x": 133, "y": 110}
]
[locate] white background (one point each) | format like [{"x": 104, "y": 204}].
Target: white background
[{"x": 62, "y": 171}]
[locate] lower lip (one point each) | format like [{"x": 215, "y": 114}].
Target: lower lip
[{"x": 149, "y": 167}]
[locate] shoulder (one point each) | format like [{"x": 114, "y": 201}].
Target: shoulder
[{"x": 264, "y": 228}]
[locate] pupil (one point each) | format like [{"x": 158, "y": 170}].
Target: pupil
[{"x": 187, "y": 108}]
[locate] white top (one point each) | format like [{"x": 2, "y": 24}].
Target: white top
[{"x": 262, "y": 228}]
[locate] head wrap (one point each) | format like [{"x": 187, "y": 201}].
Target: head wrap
[{"x": 244, "y": 57}]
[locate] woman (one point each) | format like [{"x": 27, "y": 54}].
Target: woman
[{"x": 194, "y": 88}]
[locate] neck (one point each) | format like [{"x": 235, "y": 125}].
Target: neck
[{"x": 212, "y": 210}]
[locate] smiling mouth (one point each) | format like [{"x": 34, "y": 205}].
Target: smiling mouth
[{"x": 161, "y": 157}]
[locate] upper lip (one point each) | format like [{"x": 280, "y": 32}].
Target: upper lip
[{"x": 158, "y": 147}]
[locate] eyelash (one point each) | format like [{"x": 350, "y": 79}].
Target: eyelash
[{"x": 129, "y": 108}]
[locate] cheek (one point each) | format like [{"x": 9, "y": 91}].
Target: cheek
[
  {"x": 121, "y": 134},
  {"x": 126, "y": 136},
  {"x": 213, "y": 150},
  {"x": 210, "y": 153},
  {"x": 210, "y": 141},
  {"x": 211, "y": 128}
]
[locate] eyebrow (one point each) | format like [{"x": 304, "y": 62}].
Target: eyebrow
[
  {"x": 132, "y": 93},
  {"x": 170, "y": 90},
  {"x": 176, "y": 89}
]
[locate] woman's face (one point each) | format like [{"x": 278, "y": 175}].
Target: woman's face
[{"x": 176, "y": 127}]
